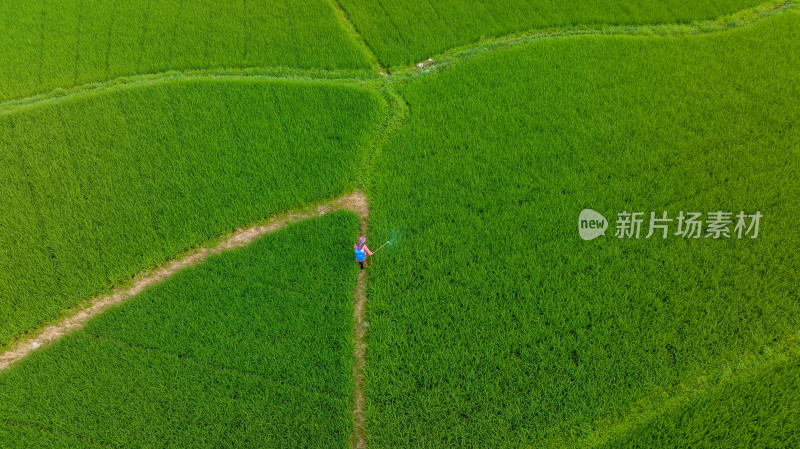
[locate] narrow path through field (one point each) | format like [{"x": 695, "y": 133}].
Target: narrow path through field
[
  {"x": 739, "y": 19},
  {"x": 607, "y": 429},
  {"x": 458, "y": 54},
  {"x": 149, "y": 79},
  {"x": 359, "y": 437},
  {"x": 355, "y": 202}
]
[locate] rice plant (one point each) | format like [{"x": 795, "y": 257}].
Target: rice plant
[
  {"x": 493, "y": 324},
  {"x": 247, "y": 350},
  {"x": 97, "y": 188},
  {"x": 406, "y": 31},
  {"x": 757, "y": 411},
  {"x": 61, "y": 43}
]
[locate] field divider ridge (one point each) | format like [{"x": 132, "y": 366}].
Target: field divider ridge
[
  {"x": 605, "y": 430},
  {"x": 397, "y": 115},
  {"x": 740, "y": 19},
  {"x": 350, "y": 77},
  {"x": 355, "y": 202},
  {"x": 357, "y": 37},
  {"x": 358, "y": 439}
]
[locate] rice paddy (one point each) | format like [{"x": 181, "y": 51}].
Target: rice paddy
[
  {"x": 132, "y": 134},
  {"x": 757, "y": 411},
  {"x": 244, "y": 351},
  {"x": 405, "y": 32},
  {"x": 494, "y": 324},
  {"x": 60, "y": 43},
  {"x": 98, "y": 188}
]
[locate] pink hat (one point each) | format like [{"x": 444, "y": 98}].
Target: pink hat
[{"x": 361, "y": 242}]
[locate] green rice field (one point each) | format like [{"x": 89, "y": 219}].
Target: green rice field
[
  {"x": 753, "y": 412},
  {"x": 244, "y": 351},
  {"x": 517, "y": 330},
  {"x": 405, "y": 32},
  {"x": 60, "y": 43},
  {"x": 135, "y": 134},
  {"x": 101, "y": 187}
]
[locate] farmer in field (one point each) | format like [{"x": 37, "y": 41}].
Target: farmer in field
[{"x": 362, "y": 251}]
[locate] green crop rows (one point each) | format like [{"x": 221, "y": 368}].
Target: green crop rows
[
  {"x": 132, "y": 132},
  {"x": 59, "y": 43},
  {"x": 96, "y": 189},
  {"x": 22, "y": 436},
  {"x": 494, "y": 325},
  {"x": 407, "y": 31},
  {"x": 248, "y": 350},
  {"x": 757, "y": 412}
]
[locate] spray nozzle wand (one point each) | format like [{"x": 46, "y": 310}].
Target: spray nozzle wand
[{"x": 381, "y": 247}]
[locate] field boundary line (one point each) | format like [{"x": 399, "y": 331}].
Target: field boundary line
[
  {"x": 606, "y": 429},
  {"x": 450, "y": 56},
  {"x": 357, "y": 37},
  {"x": 358, "y": 439},
  {"x": 347, "y": 77},
  {"x": 355, "y": 202},
  {"x": 396, "y": 116},
  {"x": 739, "y": 19}
]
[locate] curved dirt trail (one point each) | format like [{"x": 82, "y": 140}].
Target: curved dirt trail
[{"x": 355, "y": 202}]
